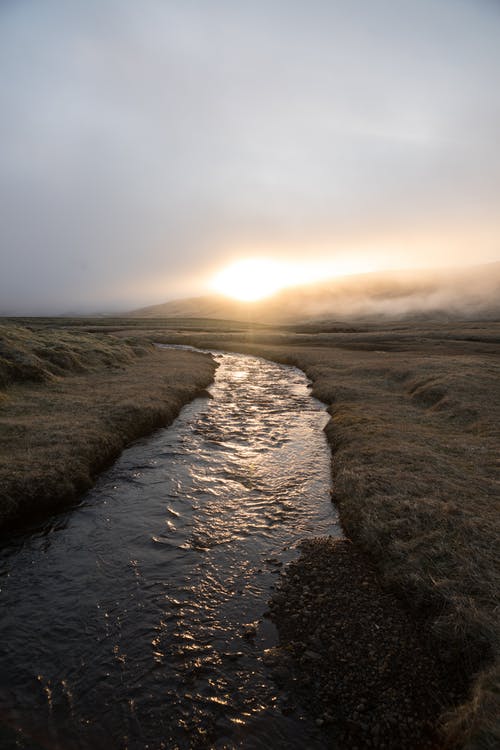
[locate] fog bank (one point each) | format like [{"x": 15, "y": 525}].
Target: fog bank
[{"x": 464, "y": 294}]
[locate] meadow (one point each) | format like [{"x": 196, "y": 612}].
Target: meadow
[{"x": 414, "y": 435}]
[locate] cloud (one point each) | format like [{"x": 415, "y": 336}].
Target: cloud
[{"x": 140, "y": 144}]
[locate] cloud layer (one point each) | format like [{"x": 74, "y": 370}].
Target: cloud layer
[{"x": 144, "y": 144}]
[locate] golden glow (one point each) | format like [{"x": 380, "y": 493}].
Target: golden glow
[
  {"x": 251, "y": 279},
  {"x": 254, "y": 279}
]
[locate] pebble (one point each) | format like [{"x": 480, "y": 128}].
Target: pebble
[{"x": 372, "y": 681}]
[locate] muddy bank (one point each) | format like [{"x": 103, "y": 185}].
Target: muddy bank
[
  {"x": 350, "y": 654},
  {"x": 56, "y": 436}
]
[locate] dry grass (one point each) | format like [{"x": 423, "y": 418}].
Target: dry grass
[
  {"x": 415, "y": 470},
  {"x": 42, "y": 355},
  {"x": 72, "y": 402},
  {"x": 415, "y": 436}
]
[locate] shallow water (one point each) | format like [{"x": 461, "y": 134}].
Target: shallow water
[{"x": 137, "y": 619}]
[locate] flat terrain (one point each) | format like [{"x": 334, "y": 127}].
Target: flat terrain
[{"x": 414, "y": 434}]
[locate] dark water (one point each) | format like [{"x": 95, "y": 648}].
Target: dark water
[{"x": 136, "y": 620}]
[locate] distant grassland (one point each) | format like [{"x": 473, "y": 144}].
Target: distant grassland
[
  {"x": 415, "y": 437},
  {"x": 70, "y": 402},
  {"x": 110, "y": 324}
]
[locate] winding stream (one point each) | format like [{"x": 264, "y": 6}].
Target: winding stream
[{"x": 136, "y": 620}]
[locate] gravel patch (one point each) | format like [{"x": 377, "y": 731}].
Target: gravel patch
[{"x": 351, "y": 655}]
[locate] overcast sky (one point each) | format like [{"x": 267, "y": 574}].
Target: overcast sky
[{"x": 145, "y": 144}]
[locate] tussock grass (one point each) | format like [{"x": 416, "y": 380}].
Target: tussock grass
[
  {"x": 415, "y": 471},
  {"x": 71, "y": 402},
  {"x": 41, "y": 355}
]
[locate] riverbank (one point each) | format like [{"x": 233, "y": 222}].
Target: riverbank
[
  {"x": 71, "y": 401},
  {"x": 351, "y": 656},
  {"x": 415, "y": 440}
]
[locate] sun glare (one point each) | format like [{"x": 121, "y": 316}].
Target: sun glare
[{"x": 254, "y": 279}]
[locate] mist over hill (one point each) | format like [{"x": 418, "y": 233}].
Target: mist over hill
[{"x": 456, "y": 294}]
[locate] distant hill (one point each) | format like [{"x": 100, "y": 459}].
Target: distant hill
[
  {"x": 210, "y": 306},
  {"x": 463, "y": 293}
]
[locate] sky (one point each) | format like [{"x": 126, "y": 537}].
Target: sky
[{"x": 146, "y": 145}]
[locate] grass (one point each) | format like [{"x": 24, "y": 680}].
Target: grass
[
  {"x": 71, "y": 401},
  {"x": 415, "y": 469},
  {"x": 41, "y": 355}
]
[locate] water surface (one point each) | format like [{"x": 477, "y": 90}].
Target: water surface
[{"x": 137, "y": 619}]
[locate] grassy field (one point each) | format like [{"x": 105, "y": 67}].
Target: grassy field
[
  {"x": 415, "y": 434},
  {"x": 70, "y": 402}
]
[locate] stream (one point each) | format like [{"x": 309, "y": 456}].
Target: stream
[{"x": 137, "y": 619}]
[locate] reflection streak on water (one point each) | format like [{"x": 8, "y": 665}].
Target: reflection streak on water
[{"x": 124, "y": 618}]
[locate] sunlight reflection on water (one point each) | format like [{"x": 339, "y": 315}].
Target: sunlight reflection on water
[{"x": 136, "y": 620}]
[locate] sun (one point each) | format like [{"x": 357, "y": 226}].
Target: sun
[{"x": 251, "y": 279}]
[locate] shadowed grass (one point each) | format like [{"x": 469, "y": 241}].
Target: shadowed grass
[{"x": 415, "y": 469}]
